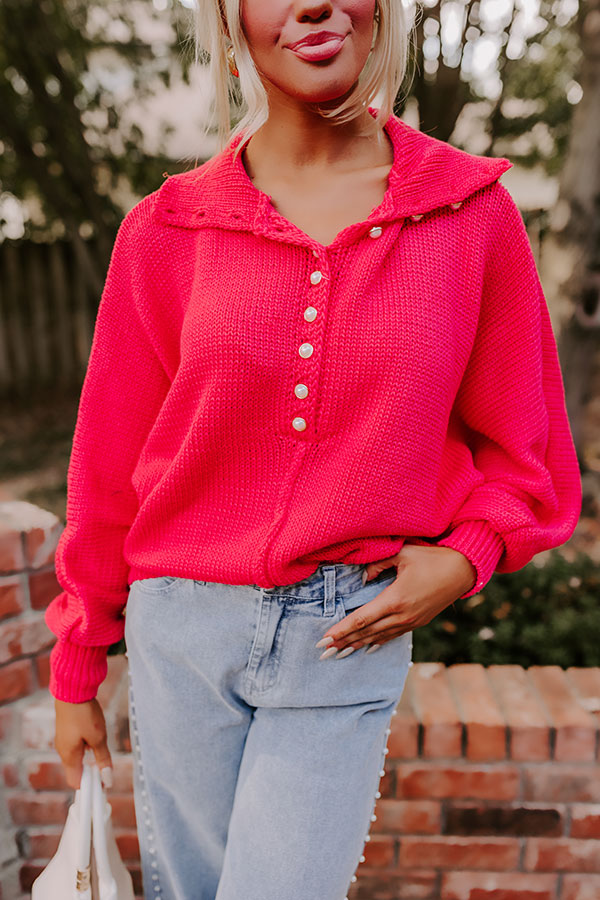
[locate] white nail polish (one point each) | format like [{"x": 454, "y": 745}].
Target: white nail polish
[
  {"x": 345, "y": 652},
  {"x": 373, "y": 647},
  {"x": 364, "y": 577},
  {"x": 106, "y": 775},
  {"x": 329, "y": 652},
  {"x": 324, "y": 641}
]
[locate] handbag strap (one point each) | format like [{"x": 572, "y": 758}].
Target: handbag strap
[
  {"x": 83, "y": 803},
  {"x": 100, "y": 813}
]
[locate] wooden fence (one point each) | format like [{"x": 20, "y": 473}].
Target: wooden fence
[{"x": 47, "y": 316}]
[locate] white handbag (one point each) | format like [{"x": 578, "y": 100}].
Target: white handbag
[{"x": 87, "y": 864}]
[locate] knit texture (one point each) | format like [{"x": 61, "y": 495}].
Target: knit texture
[{"x": 433, "y": 409}]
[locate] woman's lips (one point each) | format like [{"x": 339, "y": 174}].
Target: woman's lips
[{"x": 319, "y": 51}]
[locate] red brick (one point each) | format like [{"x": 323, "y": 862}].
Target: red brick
[
  {"x": 41, "y": 665},
  {"x": 575, "y": 727},
  {"x": 127, "y": 843},
  {"x": 459, "y": 852},
  {"x": 11, "y": 597},
  {"x": 497, "y": 886},
  {"x": 28, "y": 872},
  {"x": 585, "y": 821},
  {"x": 581, "y": 887},
  {"x": 586, "y": 683},
  {"x": 479, "y": 711},
  {"x": 410, "y": 884},
  {"x": 43, "y": 808},
  {"x": 7, "y": 719},
  {"x": 123, "y": 810},
  {"x": 46, "y": 775},
  {"x": 403, "y": 742},
  {"x": 23, "y": 637},
  {"x": 42, "y": 844},
  {"x": 436, "y": 710},
  {"x": 562, "y": 855},
  {"x": 528, "y": 724},
  {"x": 435, "y": 780},
  {"x": 379, "y": 852},
  {"x": 43, "y": 587},
  {"x": 561, "y": 783},
  {"x": 11, "y": 546},
  {"x": 40, "y": 540},
  {"x": 10, "y": 774},
  {"x": 16, "y": 680},
  {"x": 515, "y": 819},
  {"x": 408, "y": 816}
]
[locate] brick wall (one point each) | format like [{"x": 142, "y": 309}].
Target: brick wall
[{"x": 491, "y": 788}]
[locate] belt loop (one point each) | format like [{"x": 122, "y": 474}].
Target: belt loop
[{"x": 329, "y": 590}]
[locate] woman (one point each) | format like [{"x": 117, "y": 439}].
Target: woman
[{"x": 322, "y": 355}]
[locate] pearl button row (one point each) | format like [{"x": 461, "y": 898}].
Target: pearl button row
[
  {"x": 362, "y": 857},
  {"x": 145, "y": 807},
  {"x": 306, "y": 349}
]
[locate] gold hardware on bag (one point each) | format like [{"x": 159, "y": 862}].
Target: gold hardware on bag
[{"x": 84, "y": 877}]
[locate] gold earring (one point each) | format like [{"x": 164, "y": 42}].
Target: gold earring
[{"x": 231, "y": 62}]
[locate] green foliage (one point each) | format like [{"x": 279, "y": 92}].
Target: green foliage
[{"x": 541, "y": 615}]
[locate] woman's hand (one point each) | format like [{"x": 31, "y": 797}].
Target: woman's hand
[
  {"x": 79, "y": 726},
  {"x": 429, "y": 579}
]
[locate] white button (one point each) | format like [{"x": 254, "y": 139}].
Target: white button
[
  {"x": 376, "y": 231},
  {"x": 378, "y": 795},
  {"x": 353, "y": 879},
  {"x": 373, "y": 818},
  {"x": 315, "y": 277},
  {"x": 305, "y": 350},
  {"x": 456, "y": 205},
  {"x": 301, "y": 391},
  {"x": 368, "y": 838},
  {"x": 299, "y": 423},
  {"x": 386, "y": 751},
  {"x": 417, "y": 217},
  {"x": 382, "y": 773},
  {"x": 310, "y": 314}
]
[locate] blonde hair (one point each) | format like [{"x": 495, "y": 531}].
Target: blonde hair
[{"x": 384, "y": 71}]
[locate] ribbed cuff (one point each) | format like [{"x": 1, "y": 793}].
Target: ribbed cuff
[
  {"x": 76, "y": 671},
  {"x": 482, "y": 546}
]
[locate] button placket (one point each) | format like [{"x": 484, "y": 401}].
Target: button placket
[{"x": 306, "y": 349}]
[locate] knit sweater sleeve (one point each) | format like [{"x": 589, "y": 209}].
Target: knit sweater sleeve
[
  {"x": 123, "y": 389},
  {"x": 511, "y": 407}
]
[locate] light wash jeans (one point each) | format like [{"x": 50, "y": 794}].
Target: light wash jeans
[{"x": 256, "y": 764}]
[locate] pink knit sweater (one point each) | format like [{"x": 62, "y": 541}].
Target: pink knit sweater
[{"x": 256, "y": 402}]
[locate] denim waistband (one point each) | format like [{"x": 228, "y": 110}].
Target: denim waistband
[{"x": 328, "y": 578}]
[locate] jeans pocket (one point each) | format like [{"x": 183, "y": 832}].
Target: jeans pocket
[
  {"x": 369, "y": 591},
  {"x": 158, "y": 584}
]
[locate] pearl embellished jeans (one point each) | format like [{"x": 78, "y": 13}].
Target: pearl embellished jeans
[{"x": 256, "y": 763}]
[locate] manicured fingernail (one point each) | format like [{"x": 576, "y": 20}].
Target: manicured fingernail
[
  {"x": 106, "y": 774},
  {"x": 329, "y": 652},
  {"x": 345, "y": 652},
  {"x": 324, "y": 641},
  {"x": 373, "y": 647},
  {"x": 364, "y": 576}
]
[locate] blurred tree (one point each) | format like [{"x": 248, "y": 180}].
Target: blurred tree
[
  {"x": 520, "y": 68},
  {"x": 64, "y": 139}
]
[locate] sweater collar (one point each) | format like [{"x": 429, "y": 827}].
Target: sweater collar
[{"x": 426, "y": 174}]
